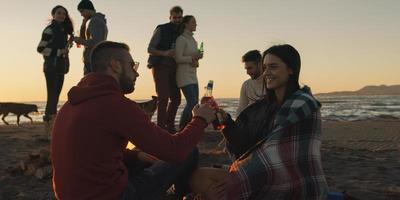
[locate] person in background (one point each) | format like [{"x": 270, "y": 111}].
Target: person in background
[
  {"x": 252, "y": 89},
  {"x": 54, "y": 47},
  {"x": 161, "y": 60},
  {"x": 187, "y": 57},
  {"x": 95, "y": 32},
  {"x": 91, "y": 132}
]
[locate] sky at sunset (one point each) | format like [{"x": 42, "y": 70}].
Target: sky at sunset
[{"x": 344, "y": 45}]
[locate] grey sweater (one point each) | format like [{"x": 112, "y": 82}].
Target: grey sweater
[{"x": 96, "y": 32}]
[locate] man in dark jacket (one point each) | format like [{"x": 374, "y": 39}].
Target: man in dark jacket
[
  {"x": 92, "y": 130},
  {"x": 162, "y": 51},
  {"x": 95, "y": 32}
]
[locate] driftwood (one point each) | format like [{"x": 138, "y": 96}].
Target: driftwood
[
  {"x": 37, "y": 164},
  {"x": 44, "y": 172}
]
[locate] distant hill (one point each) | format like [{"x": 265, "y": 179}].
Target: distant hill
[{"x": 370, "y": 90}]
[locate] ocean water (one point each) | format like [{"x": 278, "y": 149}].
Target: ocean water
[{"x": 334, "y": 108}]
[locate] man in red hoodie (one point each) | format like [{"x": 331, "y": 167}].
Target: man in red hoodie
[{"x": 93, "y": 127}]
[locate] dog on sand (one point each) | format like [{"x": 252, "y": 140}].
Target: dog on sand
[
  {"x": 149, "y": 107},
  {"x": 17, "y": 109}
]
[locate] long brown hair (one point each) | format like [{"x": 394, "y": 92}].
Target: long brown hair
[
  {"x": 291, "y": 57},
  {"x": 182, "y": 25},
  {"x": 67, "y": 24}
]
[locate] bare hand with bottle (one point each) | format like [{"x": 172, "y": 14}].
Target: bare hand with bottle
[
  {"x": 204, "y": 111},
  {"x": 195, "y": 59}
]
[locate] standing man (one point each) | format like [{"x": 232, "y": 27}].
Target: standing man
[
  {"x": 95, "y": 32},
  {"x": 92, "y": 129},
  {"x": 252, "y": 89},
  {"x": 163, "y": 65}
]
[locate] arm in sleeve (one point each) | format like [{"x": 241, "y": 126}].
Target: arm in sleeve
[
  {"x": 238, "y": 137},
  {"x": 155, "y": 40},
  {"x": 179, "y": 51},
  {"x": 98, "y": 33},
  {"x": 132, "y": 123},
  {"x": 43, "y": 48}
]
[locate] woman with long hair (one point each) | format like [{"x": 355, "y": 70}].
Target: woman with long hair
[
  {"x": 54, "y": 46},
  {"x": 187, "y": 57},
  {"x": 275, "y": 142}
]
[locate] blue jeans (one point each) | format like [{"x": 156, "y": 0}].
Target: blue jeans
[
  {"x": 153, "y": 182},
  {"x": 191, "y": 93}
]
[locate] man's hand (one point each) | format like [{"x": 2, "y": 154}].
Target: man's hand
[
  {"x": 169, "y": 53},
  {"x": 205, "y": 111}
]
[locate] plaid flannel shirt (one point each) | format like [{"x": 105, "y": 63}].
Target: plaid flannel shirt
[{"x": 287, "y": 163}]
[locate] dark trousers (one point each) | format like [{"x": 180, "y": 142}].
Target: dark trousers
[
  {"x": 153, "y": 181},
  {"x": 54, "y": 83},
  {"x": 191, "y": 93},
  {"x": 169, "y": 96}
]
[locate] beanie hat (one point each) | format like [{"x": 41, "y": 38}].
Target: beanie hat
[{"x": 85, "y": 4}]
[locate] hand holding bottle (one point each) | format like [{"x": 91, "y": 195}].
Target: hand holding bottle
[
  {"x": 209, "y": 99},
  {"x": 204, "y": 111},
  {"x": 201, "y": 50},
  {"x": 222, "y": 116}
]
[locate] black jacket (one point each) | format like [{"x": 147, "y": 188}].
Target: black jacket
[{"x": 252, "y": 125}]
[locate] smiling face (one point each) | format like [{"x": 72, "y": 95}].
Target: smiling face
[
  {"x": 191, "y": 24},
  {"x": 253, "y": 69},
  {"x": 176, "y": 17},
  {"x": 276, "y": 72},
  {"x": 60, "y": 14}
]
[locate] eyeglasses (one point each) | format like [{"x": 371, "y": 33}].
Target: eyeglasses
[{"x": 136, "y": 65}]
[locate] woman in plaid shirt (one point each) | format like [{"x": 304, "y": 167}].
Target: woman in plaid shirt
[
  {"x": 54, "y": 48},
  {"x": 275, "y": 143}
]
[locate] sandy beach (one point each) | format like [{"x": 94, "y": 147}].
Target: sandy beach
[{"x": 360, "y": 157}]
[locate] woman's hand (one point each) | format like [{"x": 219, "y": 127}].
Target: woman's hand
[
  {"x": 62, "y": 52},
  {"x": 222, "y": 116},
  {"x": 197, "y": 56},
  {"x": 195, "y": 63}
]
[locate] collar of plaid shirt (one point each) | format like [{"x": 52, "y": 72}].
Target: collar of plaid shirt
[{"x": 298, "y": 106}]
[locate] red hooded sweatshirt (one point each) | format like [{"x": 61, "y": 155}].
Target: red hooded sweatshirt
[{"x": 91, "y": 132}]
